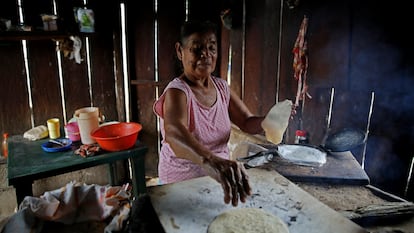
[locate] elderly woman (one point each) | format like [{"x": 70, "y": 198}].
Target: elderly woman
[{"x": 196, "y": 111}]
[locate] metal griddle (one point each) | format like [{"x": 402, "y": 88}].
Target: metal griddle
[{"x": 191, "y": 205}]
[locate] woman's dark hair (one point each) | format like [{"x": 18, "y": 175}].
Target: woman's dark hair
[{"x": 191, "y": 27}]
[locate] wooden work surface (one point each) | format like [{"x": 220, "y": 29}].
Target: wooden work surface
[
  {"x": 191, "y": 205},
  {"x": 340, "y": 168}
]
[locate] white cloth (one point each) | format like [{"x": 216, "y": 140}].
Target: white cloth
[
  {"x": 71, "y": 204},
  {"x": 36, "y": 133},
  {"x": 77, "y": 45}
]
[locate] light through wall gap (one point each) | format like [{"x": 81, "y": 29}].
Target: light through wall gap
[
  {"x": 26, "y": 64},
  {"x": 125, "y": 61}
]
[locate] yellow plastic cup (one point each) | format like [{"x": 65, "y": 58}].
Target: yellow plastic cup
[{"x": 53, "y": 126}]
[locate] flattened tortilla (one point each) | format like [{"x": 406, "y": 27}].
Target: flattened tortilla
[{"x": 247, "y": 220}]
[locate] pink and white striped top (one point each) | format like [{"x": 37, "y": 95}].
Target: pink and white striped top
[{"x": 209, "y": 125}]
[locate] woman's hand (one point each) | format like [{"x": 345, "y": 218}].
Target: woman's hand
[{"x": 231, "y": 175}]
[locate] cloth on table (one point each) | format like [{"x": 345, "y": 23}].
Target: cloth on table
[{"x": 73, "y": 203}]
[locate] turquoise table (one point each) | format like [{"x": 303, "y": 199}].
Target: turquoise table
[{"x": 28, "y": 162}]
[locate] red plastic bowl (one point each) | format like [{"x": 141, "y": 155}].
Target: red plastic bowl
[{"x": 117, "y": 136}]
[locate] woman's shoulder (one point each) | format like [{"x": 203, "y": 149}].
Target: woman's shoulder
[
  {"x": 176, "y": 83},
  {"x": 220, "y": 82}
]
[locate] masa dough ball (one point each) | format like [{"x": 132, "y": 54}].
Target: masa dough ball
[{"x": 247, "y": 220}]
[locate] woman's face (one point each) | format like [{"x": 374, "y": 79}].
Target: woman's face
[{"x": 198, "y": 54}]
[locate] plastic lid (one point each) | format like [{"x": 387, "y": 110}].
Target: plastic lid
[{"x": 301, "y": 133}]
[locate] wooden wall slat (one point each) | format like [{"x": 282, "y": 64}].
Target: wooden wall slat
[
  {"x": 75, "y": 82},
  {"x": 254, "y": 55},
  {"x": 171, "y": 15},
  {"x": 224, "y": 48},
  {"x": 44, "y": 77},
  {"x": 142, "y": 67},
  {"x": 103, "y": 81},
  {"x": 14, "y": 100},
  {"x": 261, "y": 56},
  {"x": 210, "y": 11},
  {"x": 271, "y": 28},
  {"x": 236, "y": 40}
]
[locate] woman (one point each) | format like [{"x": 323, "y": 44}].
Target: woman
[{"x": 196, "y": 111}]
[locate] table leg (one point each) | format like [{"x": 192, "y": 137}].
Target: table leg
[
  {"x": 112, "y": 172},
  {"x": 23, "y": 189},
  {"x": 138, "y": 176}
]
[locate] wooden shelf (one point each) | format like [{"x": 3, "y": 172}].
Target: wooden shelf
[{"x": 38, "y": 35}]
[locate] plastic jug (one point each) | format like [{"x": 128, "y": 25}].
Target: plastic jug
[
  {"x": 277, "y": 120},
  {"x": 88, "y": 119}
]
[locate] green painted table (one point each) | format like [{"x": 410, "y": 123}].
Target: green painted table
[{"x": 28, "y": 162}]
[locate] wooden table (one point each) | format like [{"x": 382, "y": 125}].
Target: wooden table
[{"x": 28, "y": 162}]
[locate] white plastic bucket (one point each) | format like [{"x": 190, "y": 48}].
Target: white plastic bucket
[{"x": 88, "y": 119}]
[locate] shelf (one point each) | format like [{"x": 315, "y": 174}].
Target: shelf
[{"x": 37, "y": 35}]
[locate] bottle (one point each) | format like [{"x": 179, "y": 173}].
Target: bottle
[
  {"x": 5, "y": 145},
  {"x": 301, "y": 137}
]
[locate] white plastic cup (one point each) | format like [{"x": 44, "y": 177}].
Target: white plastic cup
[{"x": 88, "y": 119}]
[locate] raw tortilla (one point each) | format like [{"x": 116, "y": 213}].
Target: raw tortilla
[
  {"x": 247, "y": 220},
  {"x": 277, "y": 120}
]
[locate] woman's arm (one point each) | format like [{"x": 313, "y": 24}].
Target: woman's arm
[
  {"x": 230, "y": 174},
  {"x": 177, "y": 134},
  {"x": 241, "y": 116}
]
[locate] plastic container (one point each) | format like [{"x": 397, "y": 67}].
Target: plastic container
[
  {"x": 57, "y": 145},
  {"x": 117, "y": 136},
  {"x": 5, "y": 145},
  {"x": 88, "y": 119},
  {"x": 72, "y": 130},
  {"x": 301, "y": 137}
]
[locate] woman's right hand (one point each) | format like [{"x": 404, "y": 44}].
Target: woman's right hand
[{"x": 231, "y": 175}]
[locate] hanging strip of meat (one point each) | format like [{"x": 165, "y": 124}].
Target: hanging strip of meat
[{"x": 300, "y": 62}]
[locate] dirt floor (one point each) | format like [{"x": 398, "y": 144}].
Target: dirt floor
[
  {"x": 346, "y": 198},
  {"x": 351, "y": 197}
]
